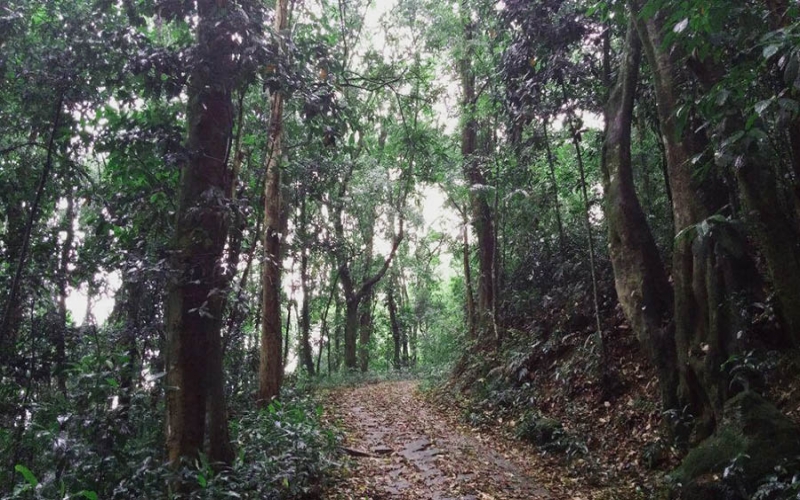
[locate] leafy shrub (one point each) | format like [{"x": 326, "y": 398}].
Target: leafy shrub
[
  {"x": 89, "y": 446},
  {"x": 783, "y": 484}
]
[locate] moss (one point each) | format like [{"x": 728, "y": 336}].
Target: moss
[
  {"x": 712, "y": 455},
  {"x": 751, "y": 427}
]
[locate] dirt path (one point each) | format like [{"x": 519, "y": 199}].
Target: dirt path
[{"x": 415, "y": 453}]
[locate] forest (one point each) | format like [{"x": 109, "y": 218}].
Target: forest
[{"x": 400, "y": 249}]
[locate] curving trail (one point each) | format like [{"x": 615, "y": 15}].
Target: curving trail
[{"x": 405, "y": 448}]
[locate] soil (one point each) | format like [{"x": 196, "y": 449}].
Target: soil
[{"x": 403, "y": 447}]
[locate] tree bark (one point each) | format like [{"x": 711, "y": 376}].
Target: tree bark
[
  {"x": 642, "y": 285},
  {"x": 306, "y": 354},
  {"x": 468, "y": 292},
  {"x": 286, "y": 336},
  {"x": 325, "y": 334},
  {"x": 395, "y": 325},
  {"x": 220, "y": 449},
  {"x": 365, "y": 330},
  {"x": 365, "y": 316},
  {"x": 200, "y": 231},
  {"x": 779, "y": 18},
  {"x": 350, "y": 334},
  {"x": 778, "y": 239},
  {"x": 482, "y": 220},
  {"x": 337, "y": 336},
  {"x": 710, "y": 282},
  {"x": 131, "y": 295},
  {"x": 404, "y": 327},
  {"x": 62, "y": 280},
  {"x": 271, "y": 367},
  {"x": 13, "y": 313}
]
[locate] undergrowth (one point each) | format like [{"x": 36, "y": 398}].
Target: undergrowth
[{"x": 91, "y": 447}]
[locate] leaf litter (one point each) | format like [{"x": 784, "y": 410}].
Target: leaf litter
[{"x": 403, "y": 447}]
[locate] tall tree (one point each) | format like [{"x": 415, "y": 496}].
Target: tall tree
[
  {"x": 306, "y": 354},
  {"x": 271, "y": 367},
  {"x": 200, "y": 231},
  {"x": 639, "y": 275},
  {"x": 355, "y": 292},
  {"x": 713, "y": 274},
  {"x": 481, "y": 210}
]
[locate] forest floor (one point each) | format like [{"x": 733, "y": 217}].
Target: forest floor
[{"x": 404, "y": 447}]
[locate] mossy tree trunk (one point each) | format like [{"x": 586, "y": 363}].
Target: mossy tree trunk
[
  {"x": 643, "y": 289},
  {"x": 710, "y": 276}
]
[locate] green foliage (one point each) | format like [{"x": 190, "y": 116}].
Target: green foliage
[
  {"x": 782, "y": 484},
  {"x": 97, "y": 452}
]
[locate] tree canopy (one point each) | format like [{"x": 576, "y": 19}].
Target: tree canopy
[{"x": 207, "y": 207}]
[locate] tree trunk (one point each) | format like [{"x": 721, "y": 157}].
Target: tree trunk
[
  {"x": 780, "y": 18},
  {"x": 412, "y": 340},
  {"x": 237, "y": 311},
  {"x": 200, "y": 231},
  {"x": 271, "y": 366},
  {"x": 395, "y": 325},
  {"x": 642, "y": 285},
  {"x": 482, "y": 220},
  {"x": 365, "y": 330},
  {"x": 468, "y": 292},
  {"x": 778, "y": 240},
  {"x": 306, "y": 355},
  {"x": 337, "y": 337},
  {"x": 350, "y": 334},
  {"x": 220, "y": 450},
  {"x": 325, "y": 335},
  {"x": 353, "y": 296},
  {"x": 14, "y": 311},
  {"x": 131, "y": 297},
  {"x": 710, "y": 282},
  {"x": 286, "y": 335},
  {"x": 403, "y": 325},
  {"x": 236, "y": 239},
  {"x": 62, "y": 280},
  {"x": 576, "y": 142}
]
